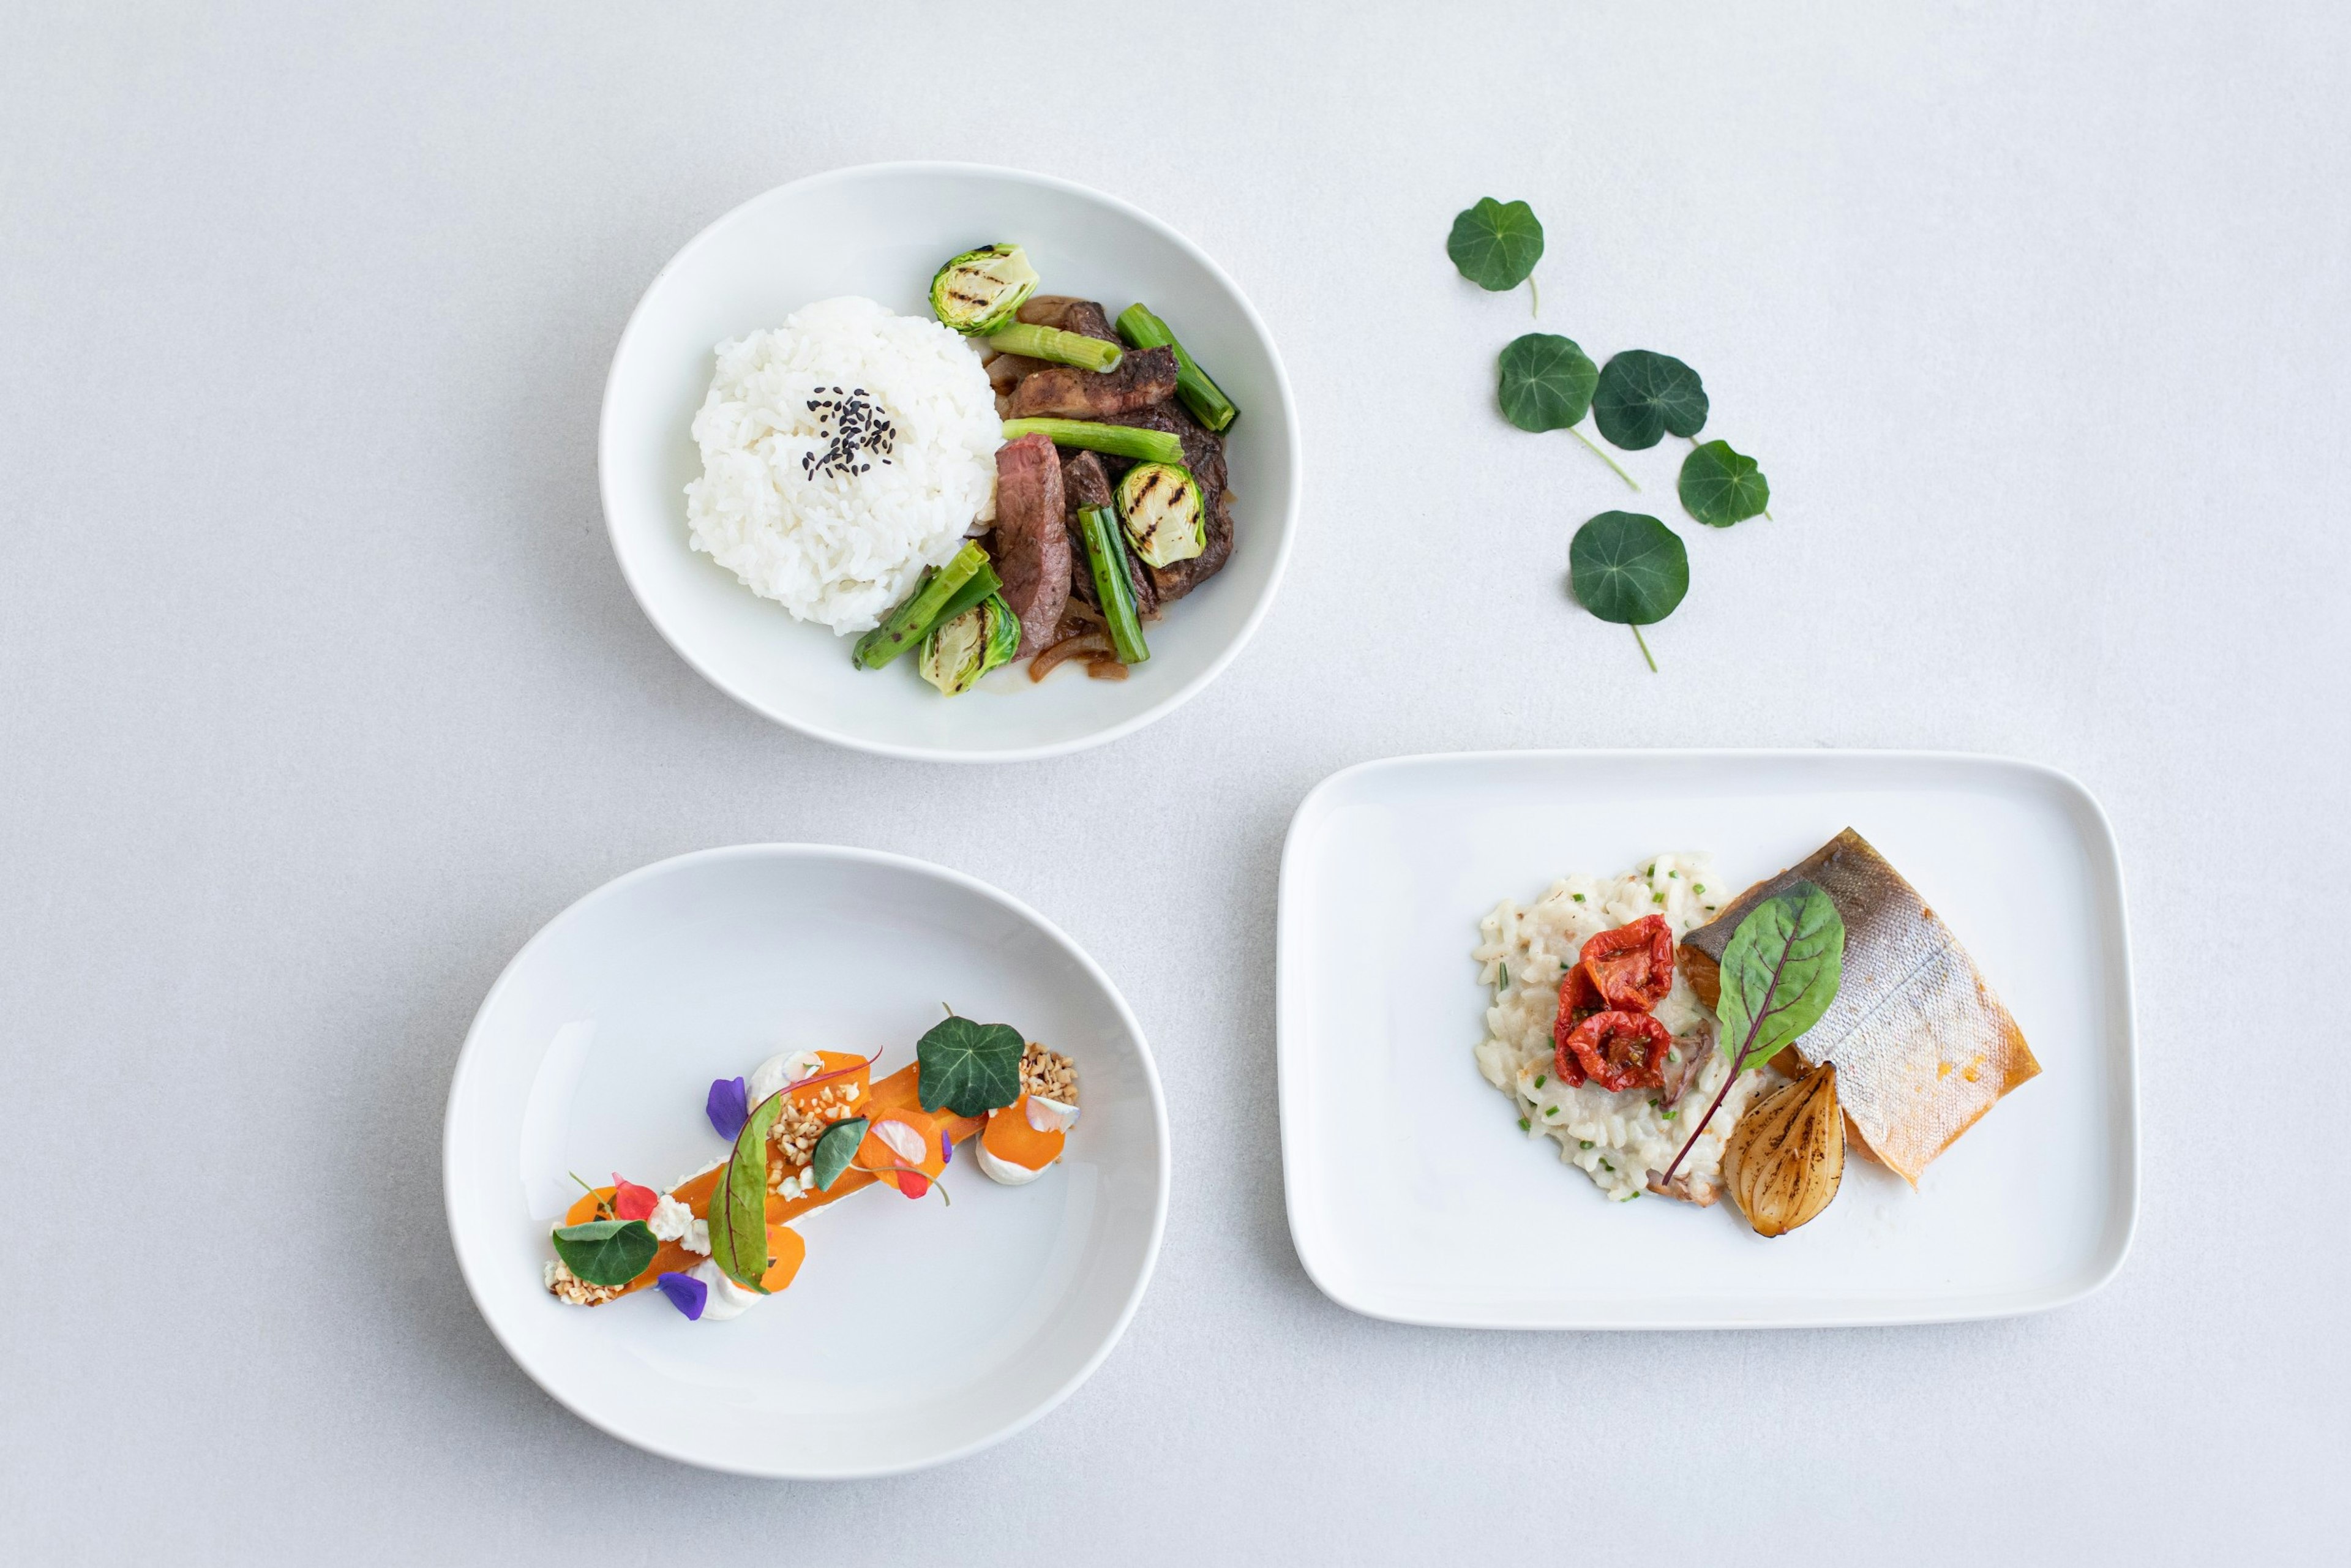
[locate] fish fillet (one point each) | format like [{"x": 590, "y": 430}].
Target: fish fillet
[{"x": 1922, "y": 1046}]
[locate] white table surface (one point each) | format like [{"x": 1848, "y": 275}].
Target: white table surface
[{"x": 322, "y": 693}]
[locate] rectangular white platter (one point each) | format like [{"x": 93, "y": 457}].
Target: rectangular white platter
[{"x": 1413, "y": 1193}]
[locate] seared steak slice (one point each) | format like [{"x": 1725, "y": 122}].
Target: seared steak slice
[
  {"x": 1085, "y": 484},
  {"x": 1032, "y": 546},
  {"x": 1088, "y": 319},
  {"x": 1204, "y": 453},
  {"x": 1070, "y": 314},
  {"x": 1145, "y": 376},
  {"x": 1171, "y": 582}
]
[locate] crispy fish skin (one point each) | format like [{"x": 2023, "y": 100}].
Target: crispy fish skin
[{"x": 1922, "y": 1046}]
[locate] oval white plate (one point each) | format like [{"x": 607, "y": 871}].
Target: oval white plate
[
  {"x": 882, "y": 231},
  {"x": 1413, "y": 1196},
  {"x": 915, "y": 1332}
]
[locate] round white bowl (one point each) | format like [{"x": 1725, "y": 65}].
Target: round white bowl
[
  {"x": 880, "y": 231},
  {"x": 915, "y": 1332}
]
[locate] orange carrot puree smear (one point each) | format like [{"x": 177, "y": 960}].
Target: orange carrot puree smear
[{"x": 894, "y": 1098}]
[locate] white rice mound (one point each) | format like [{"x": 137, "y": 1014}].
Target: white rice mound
[
  {"x": 1618, "y": 1138},
  {"x": 840, "y": 549}
]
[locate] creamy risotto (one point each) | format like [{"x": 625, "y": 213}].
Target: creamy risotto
[{"x": 1617, "y": 1138}]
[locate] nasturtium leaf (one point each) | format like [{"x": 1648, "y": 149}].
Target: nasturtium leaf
[
  {"x": 1496, "y": 243},
  {"x": 738, "y": 1206},
  {"x": 1642, "y": 396},
  {"x": 1546, "y": 381},
  {"x": 1628, "y": 568},
  {"x": 835, "y": 1148},
  {"x": 1720, "y": 487},
  {"x": 1780, "y": 973},
  {"x": 606, "y": 1251},
  {"x": 969, "y": 1068}
]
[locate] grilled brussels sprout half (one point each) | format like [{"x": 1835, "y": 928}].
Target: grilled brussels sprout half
[
  {"x": 960, "y": 650},
  {"x": 1160, "y": 505},
  {"x": 979, "y": 290}
]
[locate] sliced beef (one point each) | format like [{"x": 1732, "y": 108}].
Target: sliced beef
[
  {"x": 1088, "y": 319},
  {"x": 1171, "y": 582},
  {"x": 1203, "y": 455},
  {"x": 1144, "y": 377},
  {"x": 1070, "y": 314},
  {"x": 1085, "y": 484},
  {"x": 1031, "y": 542}
]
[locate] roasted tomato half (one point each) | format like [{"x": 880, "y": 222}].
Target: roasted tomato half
[
  {"x": 1633, "y": 965},
  {"x": 1578, "y": 998},
  {"x": 1618, "y": 1051}
]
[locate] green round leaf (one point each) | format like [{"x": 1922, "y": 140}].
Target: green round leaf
[
  {"x": 969, "y": 1068},
  {"x": 1496, "y": 243},
  {"x": 1628, "y": 568},
  {"x": 1642, "y": 396},
  {"x": 606, "y": 1251},
  {"x": 1720, "y": 487},
  {"x": 1547, "y": 381}
]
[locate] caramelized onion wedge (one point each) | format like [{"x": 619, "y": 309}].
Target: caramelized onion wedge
[
  {"x": 1083, "y": 643},
  {"x": 1786, "y": 1156}
]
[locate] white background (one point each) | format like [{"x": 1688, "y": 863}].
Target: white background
[{"x": 322, "y": 693}]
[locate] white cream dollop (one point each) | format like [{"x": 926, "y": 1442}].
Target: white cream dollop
[
  {"x": 1003, "y": 1171},
  {"x": 782, "y": 1071},
  {"x": 726, "y": 1299},
  {"x": 670, "y": 1219},
  {"x": 696, "y": 1238}
]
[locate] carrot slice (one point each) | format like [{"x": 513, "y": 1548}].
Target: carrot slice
[
  {"x": 787, "y": 1250},
  {"x": 1010, "y": 1138}
]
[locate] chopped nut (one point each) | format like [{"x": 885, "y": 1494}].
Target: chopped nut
[
  {"x": 1048, "y": 1076},
  {"x": 799, "y": 1126},
  {"x": 569, "y": 1287}
]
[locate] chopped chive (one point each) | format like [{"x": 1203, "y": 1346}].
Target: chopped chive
[
  {"x": 1606, "y": 1166},
  {"x": 1583, "y": 1144},
  {"x": 1700, "y": 887},
  {"x": 1552, "y": 1112},
  {"x": 1524, "y": 1124},
  {"x": 1671, "y": 1114},
  {"x": 1577, "y": 896},
  {"x": 1658, "y": 897},
  {"x": 1541, "y": 1078},
  {"x": 1673, "y": 873},
  {"x": 1506, "y": 977}
]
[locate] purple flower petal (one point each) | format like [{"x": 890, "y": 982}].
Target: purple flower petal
[
  {"x": 728, "y": 1107},
  {"x": 946, "y": 1150},
  {"x": 686, "y": 1293}
]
